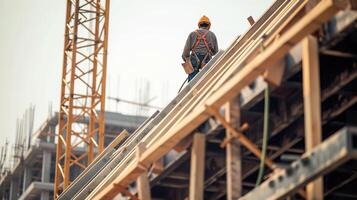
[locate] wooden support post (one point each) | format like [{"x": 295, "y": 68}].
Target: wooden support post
[
  {"x": 233, "y": 152},
  {"x": 143, "y": 184},
  {"x": 197, "y": 171},
  {"x": 312, "y": 107}
]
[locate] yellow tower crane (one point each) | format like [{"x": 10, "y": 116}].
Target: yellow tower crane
[{"x": 81, "y": 116}]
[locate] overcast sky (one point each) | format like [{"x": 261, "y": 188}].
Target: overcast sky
[{"x": 146, "y": 40}]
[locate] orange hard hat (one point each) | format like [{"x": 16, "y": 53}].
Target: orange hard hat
[{"x": 204, "y": 19}]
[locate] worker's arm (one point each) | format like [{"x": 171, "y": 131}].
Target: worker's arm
[
  {"x": 215, "y": 44},
  {"x": 187, "y": 48}
]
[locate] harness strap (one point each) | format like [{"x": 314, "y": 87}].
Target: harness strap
[{"x": 198, "y": 40}]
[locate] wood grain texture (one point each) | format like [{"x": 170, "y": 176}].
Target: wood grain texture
[
  {"x": 312, "y": 107},
  {"x": 197, "y": 170},
  {"x": 233, "y": 152}
]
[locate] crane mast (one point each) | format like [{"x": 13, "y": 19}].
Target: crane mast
[{"x": 82, "y": 103}]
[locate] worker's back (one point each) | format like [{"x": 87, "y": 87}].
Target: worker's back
[
  {"x": 210, "y": 38},
  {"x": 200, "y": 46}
]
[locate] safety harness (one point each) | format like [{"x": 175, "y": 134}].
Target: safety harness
[{"x": 201, "y": 37}]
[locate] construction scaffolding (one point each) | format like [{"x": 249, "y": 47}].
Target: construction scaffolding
[{"x": 83, "y": 85}]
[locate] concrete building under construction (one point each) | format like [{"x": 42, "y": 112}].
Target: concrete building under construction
[{"x": 32, "y": 174}]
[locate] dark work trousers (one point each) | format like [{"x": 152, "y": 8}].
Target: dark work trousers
[{"x": 196, "y": 64}]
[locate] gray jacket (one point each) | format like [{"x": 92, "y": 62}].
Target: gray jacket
[{"x": 201, "y": 48}]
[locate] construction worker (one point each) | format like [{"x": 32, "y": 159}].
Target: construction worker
[{"x": 200, "y": 46}]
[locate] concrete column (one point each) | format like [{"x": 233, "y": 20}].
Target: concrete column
[
  {"x": 27, "y": 178},
  {"x": 46, "y": 166},
  {"x": 45, "y": 195},
  {"x": 14, "y": 188},
  {"x": 51, "y": 137},
  {"x": 46, "y": 172}
]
